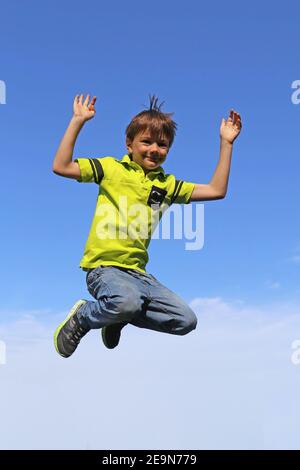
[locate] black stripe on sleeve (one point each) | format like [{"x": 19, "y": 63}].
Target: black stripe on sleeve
[
  {"x": 99, "y": 170},
  {"x": 178, "y": 185},
  {"x": 93, "y": 168}
]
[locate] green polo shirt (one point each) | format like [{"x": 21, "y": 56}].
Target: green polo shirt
[{"x": 129, "y": 206}]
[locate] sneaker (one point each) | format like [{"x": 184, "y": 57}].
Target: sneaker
[
  {"x": 68, "y": 334},
  {"x": 111, "y": 334}
]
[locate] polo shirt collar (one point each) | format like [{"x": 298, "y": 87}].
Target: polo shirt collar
[{"x": 135, "y": 165}]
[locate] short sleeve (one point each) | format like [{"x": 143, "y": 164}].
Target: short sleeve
[
  {"x": 90, "y": 170},
  {"x": 93, "y": 170},
  {"x": 182, "y": 192}
]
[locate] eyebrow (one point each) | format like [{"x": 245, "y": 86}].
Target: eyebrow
[{"x": 148, "y": 137}]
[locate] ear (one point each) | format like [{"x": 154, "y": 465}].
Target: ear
[{"x": 129, "y": 145}]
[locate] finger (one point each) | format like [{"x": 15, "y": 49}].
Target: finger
[
  {"x": 238, "y": 125},
  {"x": 238, "y": 119},
  {"x": 86, "y": 101},
  {"x": 76, "y": 99},
  {"x": 91, "y": 105},
  {"x": 80, "y": 99},
  {"x": 230, "y": 115}
]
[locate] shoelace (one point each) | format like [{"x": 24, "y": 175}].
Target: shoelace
[{"x": 77, "y": 334}]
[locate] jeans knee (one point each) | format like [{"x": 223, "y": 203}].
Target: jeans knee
[{"x": 125, "y": 307}]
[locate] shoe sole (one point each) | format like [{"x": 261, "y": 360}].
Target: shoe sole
[
  {"x": 103, "y": 338},
  {"x": 61, "y": 325}
]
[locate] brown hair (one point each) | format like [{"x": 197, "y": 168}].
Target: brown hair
[{"x": 159, "y": 124}]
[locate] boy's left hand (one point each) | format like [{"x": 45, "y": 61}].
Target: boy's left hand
[{"x": 231, "y": 128}]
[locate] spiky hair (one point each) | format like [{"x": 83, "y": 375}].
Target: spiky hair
[
  {"x": 153, "y": 104},
  {"x": 158, "y": 123}
]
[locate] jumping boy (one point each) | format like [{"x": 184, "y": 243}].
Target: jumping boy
[{"x": 115, "y": 254}]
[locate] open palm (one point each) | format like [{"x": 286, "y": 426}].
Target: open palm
[
  {"x": 84, "y": 109},
  {"x": 231, "y": 128}
]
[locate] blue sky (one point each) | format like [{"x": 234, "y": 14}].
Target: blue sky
[{"x": 201, "y": 59}]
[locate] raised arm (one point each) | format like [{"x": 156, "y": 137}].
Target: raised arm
[
  {"x": 217, "y": 187},
  {"x": 82, "y": 112}
]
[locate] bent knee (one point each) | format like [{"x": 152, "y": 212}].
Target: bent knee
[
  {"x": 188, "y": 324},
  {"x": 125, "y": 307}
]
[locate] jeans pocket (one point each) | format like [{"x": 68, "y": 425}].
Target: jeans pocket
[
  {"x": 93, "y": 274},
  {"x": 98, "y": 281}
]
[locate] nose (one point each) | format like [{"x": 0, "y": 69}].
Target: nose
[{"x": 154, "y": 148}]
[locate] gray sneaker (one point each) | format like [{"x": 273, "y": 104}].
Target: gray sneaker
[
  {"x": 68, "y": 334},
  {"x": 111, "y": 334}
]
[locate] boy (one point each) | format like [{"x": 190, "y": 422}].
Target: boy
[{"x": 115, "y": 254}]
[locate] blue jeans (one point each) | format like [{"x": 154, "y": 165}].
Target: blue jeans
[{"x": 127, "y": 295}]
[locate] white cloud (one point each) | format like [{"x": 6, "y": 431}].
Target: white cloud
[
  {"x": 229, "y": 384},
  {"x": 273, "y": 284},
  {"x": 296, "y": 257}
]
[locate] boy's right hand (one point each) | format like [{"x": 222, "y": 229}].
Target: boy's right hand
[{"x": 84, "y": 110}]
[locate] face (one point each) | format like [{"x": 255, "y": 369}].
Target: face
[{"x": 148, "y": 152}]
